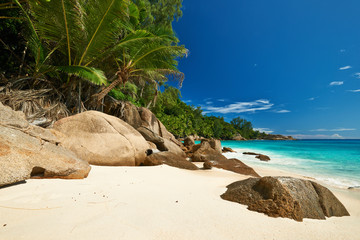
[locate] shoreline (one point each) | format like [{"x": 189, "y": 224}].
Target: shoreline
[
  {"x": 158, "y": 202},
  {"x": 289, "y": 164}
]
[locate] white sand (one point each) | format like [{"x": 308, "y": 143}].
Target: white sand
[{"x": 154, "y": 203}]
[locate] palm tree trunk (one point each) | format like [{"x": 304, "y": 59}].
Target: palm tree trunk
[
  {"x": 106, "y": 90},
  {"x": 23, "y": 58},
  {"x": 155, "y": 98},
  {"x": 79, "y": 100}
]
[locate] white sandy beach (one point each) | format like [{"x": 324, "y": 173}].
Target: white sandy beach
[{"x": 154, "y": 203}]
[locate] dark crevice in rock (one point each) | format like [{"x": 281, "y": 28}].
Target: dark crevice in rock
[{"x": 37, "y": 172}]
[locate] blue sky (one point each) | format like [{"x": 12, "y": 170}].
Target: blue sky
[{"x": 289, "y": 66}]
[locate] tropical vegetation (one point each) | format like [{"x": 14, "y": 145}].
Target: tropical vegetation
[{"x": 60, "y": 57}]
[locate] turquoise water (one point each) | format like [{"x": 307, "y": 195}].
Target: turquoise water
[{"x": 336, "y": 162}]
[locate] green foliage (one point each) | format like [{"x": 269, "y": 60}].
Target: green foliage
[
  {"x": 159, "y": 12},
  {"x": 109, "y": 43},
  {"x": 183, "y": 120},
  {"x": 128, "y": 92}
]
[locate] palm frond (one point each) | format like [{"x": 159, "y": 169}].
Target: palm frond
[
  {"x": 93, "y": 75},
  {"x": 34, "y": 39},
  {"x": 57, "y": 22},
  {"x": 104, "y": 21},
  {"x": 159, "y": 55}
]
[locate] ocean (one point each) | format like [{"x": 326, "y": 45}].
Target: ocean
[{"x": 334, "y": 162}]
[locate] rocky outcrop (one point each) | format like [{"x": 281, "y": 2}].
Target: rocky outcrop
[
  {"x": 250, "y": 153},
  {"x": 27, "y": 151},
  {"x": 205, "y": 153},
  {"x": 101, "y": 139},
  {"x": 150, "y": 121},
  {"x": 141, "y": 118},
  {"x": 277, "y": 137},
  {"x": 238, "y": 137},
  {"x": 227, "y": 149},
  {"x": 131, "y": 115},
  {"x": 170, "y": 159},
  {"x": 285, "y": 197},
  {"x": 262, "y": 157},
  {"x": 189, "y": 141},
  {"x": 11, "y": 118},
  {"x": 173, "y": 147},
  {"x": 153, "y": 137},
  {"x": 207, "y": 165},
  {"x": 215, "y": 144},
  {"x": 234, "y": 165}
]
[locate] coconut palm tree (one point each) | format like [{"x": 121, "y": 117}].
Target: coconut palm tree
[
  {"x": 144, "y": 56},
  {"x": 88, "y": 38},
  {"x": 65, "y": 35}
]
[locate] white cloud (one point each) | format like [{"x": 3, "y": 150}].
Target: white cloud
[
  {"x": 318, "y": 136},
  {"x": 333, "y": 130},
  {"x": 221, "y": 100},
  {"x": 336, "y": 136},
  {"x": 187, "y": 101},
  {"x": 209, "y": 102},
  {"x": 265, "y": 130},
  {"x": 357, "y": 75},
  {"x": 342, "y": 50},
  {"x": 282, "y": 111},
  {"x": 312, "y": 98},
  {"x": 346, "y": 67},
  {"x": 356, "y": 90},
  {"x": 240, "y": 107},
  {"x": 336, "y": 83}
]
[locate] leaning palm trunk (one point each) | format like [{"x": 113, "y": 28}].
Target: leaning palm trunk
[{"x": 121, "y": 79}]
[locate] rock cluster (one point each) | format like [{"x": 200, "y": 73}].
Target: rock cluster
[
  {"x": 170, "y": 159},
  {"x": 262, "y": 157},
  {"x": 238, "y": 137},
  {"x": 27, "y": 151},
  {"x": 286, "y": 197},
  {"x": 227, "y": 149},
  {"x": 210, "y": 152}
]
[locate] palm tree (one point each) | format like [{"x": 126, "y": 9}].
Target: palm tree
[
  {"x": 75, "y": 31},
  {"x": 85, "y": 38},
  {"x": 146, "y": 57}
]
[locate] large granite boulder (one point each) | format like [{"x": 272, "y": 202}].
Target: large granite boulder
[
  {"x": 172, "y": 146},
  {"x": 189, "y": 141},
  {"x": 285, "y": 197},
  {"x": 214, "y": 144},
  {"x": 238, "y": 137},
  {"x": 204, "y": 152},
  {"x": 260, "y": 156},
  {"x": 263, "y": 157},
  {"x": 11, "y": 118},
  {"x": 101, "y": 139},
  {"x": 141, "y": 118},
  {"x": 131, "y": 115},
  {"x": 27, "y": 151},
  {"x": 234, "y": 165},
  {"x": 170, "y": 159},
  {"x": 227, "y": 149},
  {"x": 153, "y": 137}
]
